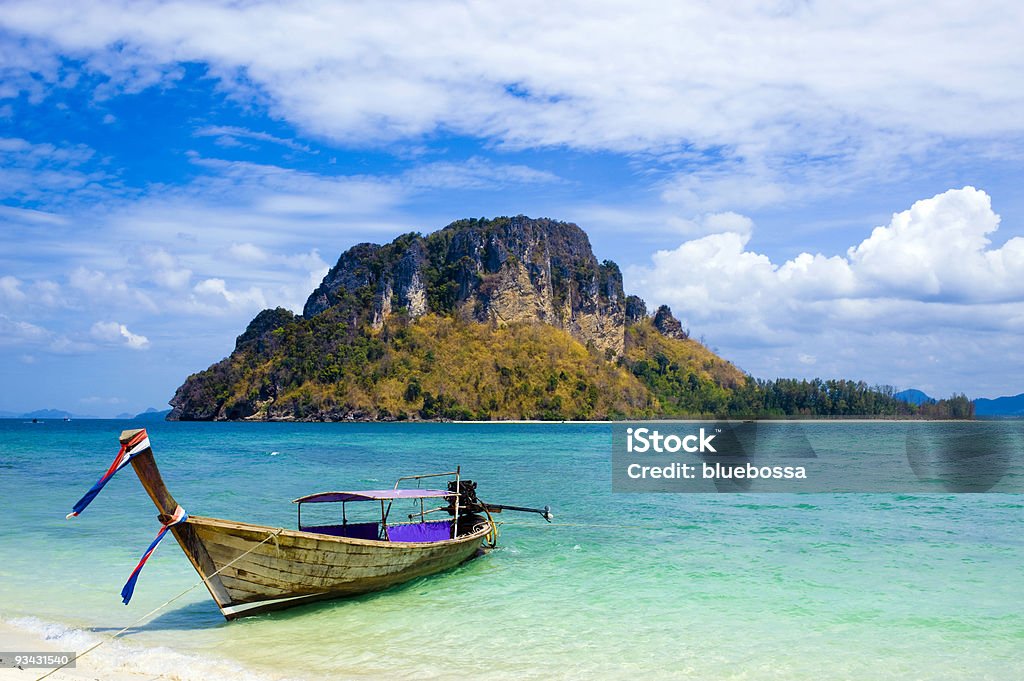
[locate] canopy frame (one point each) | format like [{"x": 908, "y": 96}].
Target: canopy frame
[{"x": 389, "y": 496}]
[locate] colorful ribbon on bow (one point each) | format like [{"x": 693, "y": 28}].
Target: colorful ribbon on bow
[
  {"x": 136, "y": 445},
  {"x": 129, "y": 587}
]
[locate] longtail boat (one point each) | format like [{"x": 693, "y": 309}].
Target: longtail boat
[{"x": 250, "y": 569}]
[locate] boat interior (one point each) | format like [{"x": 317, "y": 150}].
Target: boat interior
[
  {"x": 416, "y": 528},
  {"x": 427, "y": 531}
]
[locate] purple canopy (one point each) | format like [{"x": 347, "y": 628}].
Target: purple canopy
[{"x": 372, "y": 495}]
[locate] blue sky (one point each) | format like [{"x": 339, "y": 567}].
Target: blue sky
[{"x": 817, "y": 190}]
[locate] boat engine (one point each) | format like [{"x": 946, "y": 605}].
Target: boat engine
[
  {"x": 467, "y": 497},
  {"x": 469, "y": 503}
]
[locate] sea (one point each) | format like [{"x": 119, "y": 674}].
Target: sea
[{"x": 717, "y": 586}]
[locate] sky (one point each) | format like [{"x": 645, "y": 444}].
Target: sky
[{"x": 828, "y": 190}]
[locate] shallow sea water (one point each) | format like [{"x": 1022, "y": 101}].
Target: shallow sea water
[{"x": 657, "y": 586}]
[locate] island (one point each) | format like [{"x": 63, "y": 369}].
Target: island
[{"x": 502, "y": 319}]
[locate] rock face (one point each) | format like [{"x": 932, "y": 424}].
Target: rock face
[
  {"x": 353, "y": 271},
  {"x": 499, "y": 271},
  {"x": 668, "y": 325},
  {"x": 262, "y": 324},
  {"x": 485, "y": 319},
  {"x": 636, "y": 310}
]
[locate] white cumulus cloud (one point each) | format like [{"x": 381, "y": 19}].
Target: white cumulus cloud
[
  {"x": 932, "y": 276},
  {"x": 213, "y": 297},
  {"x": 98, "y": 285},
  {"x": 115, "y": 333},
  {"x": 166, "y": 271},
  {"x": 10, "y": 289},
  {"x": 939, "y": 249}
]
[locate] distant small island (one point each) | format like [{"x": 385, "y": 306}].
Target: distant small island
[
  {"x": 1010, "y": 405},
  {"x": 150, "y": 414},
  {"x": 510, "y": 318},
  {"x": 47, "y": 414}
]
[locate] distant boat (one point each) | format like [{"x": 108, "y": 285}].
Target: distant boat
[{"x": 250, "y": 568}]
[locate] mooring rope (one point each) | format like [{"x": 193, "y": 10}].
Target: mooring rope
[
  {"x": 204, "y": 580},
  {"x": 617, "y": 527}
]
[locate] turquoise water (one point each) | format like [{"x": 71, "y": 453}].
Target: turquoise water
[{"x": 816, "y": 586}]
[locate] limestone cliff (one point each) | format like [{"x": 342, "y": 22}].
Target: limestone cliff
[
  {"x": 505, "y": 318},
  {"x": 499, "y": 271},
  {"x": 666, "y": 324}
]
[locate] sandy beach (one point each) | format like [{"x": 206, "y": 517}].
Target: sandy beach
[
  {"x": 13, "y": 638},
  {"x": 116, "y": 660}
]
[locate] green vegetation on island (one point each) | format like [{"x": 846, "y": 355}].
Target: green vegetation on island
[{"x": 504, "y": 319}]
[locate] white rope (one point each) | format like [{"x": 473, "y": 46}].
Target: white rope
[
  {"x": 545, "y": 525},
  {"x": 163, "y": 605}
]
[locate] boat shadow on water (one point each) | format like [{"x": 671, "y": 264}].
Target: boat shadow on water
[
  {"x": 199, "y": 615},
  {"x": 191, "y": 617}
]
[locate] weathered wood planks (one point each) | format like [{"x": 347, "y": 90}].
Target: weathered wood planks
[
  {"x": 255, "y": 568},
  {"x": 303, "y": 564}
]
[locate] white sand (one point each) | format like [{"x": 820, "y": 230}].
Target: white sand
[
  {"x": 115, "y": 660},
  {"x": 15, "y": 639}
]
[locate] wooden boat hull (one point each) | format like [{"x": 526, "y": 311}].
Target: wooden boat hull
[
  {"x": 253, "y": 574},
  {"x": 251, "y": 569}
]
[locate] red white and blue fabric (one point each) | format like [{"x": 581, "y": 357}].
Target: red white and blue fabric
[
  {"x": 138, "y": 444},
  {"x": 129, "y": 587}
]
